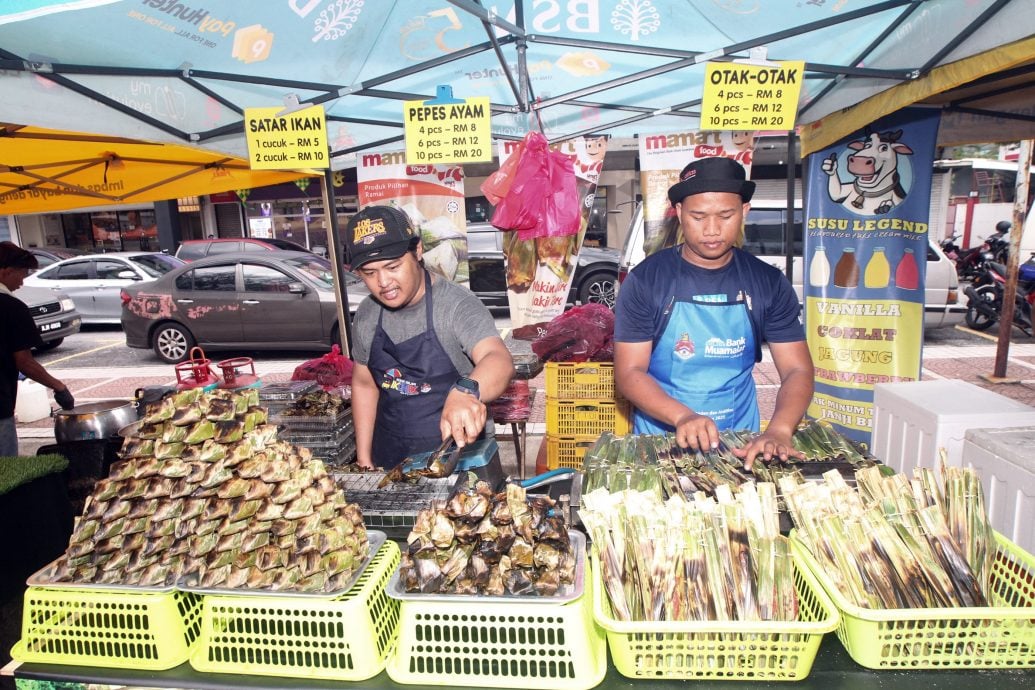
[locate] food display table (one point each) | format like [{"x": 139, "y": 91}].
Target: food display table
[{"x": 832, "y": 669}]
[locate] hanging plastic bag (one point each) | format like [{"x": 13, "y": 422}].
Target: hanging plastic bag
[
  {"x": 525, "y": 204},
  {"x": 563, "y": 215},
  {"x": 497, "y": 185},
  {"x": 332, "y": 371}
]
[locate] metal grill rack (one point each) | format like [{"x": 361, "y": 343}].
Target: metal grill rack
[{"x": 394, "y": 508}]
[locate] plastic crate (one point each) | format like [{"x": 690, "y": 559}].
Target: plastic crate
[
  {"x": 722, "y": 650},
  {"x": 153, "y": 631},
  {"x": 580, "y": 380},
  {"x": 500, "y": 645},
  {"x": 567, "y": 451},
  {"x": 580, "y": 417},
  {"x": 1001, "y": 636},
  {"x": 345, "y": 638},
  {"x": 302, "y": 423}
]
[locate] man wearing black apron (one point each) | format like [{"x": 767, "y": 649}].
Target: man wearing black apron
[
  {"x": 690, "y": 322},
  {"x": 427, "y": 352}
]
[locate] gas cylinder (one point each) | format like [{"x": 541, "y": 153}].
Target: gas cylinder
[
  {"x": 196, "y": 372},
  {"x": 239, "y": 372}
]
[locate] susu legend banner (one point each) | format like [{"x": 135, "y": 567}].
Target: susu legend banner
[
  {"x": 458, "y": 132},
  {"x": 749, "y": 97},
  {"x": 295, "y": 140}
]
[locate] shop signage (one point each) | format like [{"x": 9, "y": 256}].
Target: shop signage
[
  {"x": 453, "y": 132},
  {"x": 295, "y": 140},
  {"x": 739, "y": 96}
]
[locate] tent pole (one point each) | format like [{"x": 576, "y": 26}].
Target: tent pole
[
  {"x": 337, "y": 257},
  {"x": 788, "y": 226},
  {"x": 1020, "y": 206}
]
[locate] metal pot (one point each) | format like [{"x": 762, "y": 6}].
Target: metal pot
[{"x": 98, "y": 420}]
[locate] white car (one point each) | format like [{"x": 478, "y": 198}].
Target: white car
[{"x": 94, "y": 281}]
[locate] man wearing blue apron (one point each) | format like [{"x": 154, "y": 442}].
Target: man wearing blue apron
[
  {"x": 690, "y": 322},
  {"x": 428, "y": 355}
]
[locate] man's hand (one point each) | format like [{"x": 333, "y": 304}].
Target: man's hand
[
  {"x": 365, "y": 464},
  {"x": 64, "y": 398},
  {"x": 697, "y": 432},
  {"x": 769, "y": 445},
  {"x": 463, "y": 417}
]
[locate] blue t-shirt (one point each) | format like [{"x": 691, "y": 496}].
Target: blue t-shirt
[{"x": 651, "y": 287}]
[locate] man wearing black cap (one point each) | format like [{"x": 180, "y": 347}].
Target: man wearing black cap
[
  {"x": 690, "y": 322},
  {"x": 17, "y": 338},
  {"x": 428, "y": 356}
]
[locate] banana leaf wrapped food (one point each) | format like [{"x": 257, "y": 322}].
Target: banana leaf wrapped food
[{"x": 521, "y": 261}]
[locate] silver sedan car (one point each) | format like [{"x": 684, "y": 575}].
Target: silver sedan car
[{"x": 94, "y": 281}]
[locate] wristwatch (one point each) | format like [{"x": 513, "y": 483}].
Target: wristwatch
[{"x": 467, "y": 385}]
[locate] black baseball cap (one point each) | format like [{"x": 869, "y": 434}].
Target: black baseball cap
[
  {"x": 713, "y": 174},
  {"x": 379, "y": 233},
  {"x": 13, "y": 256}
]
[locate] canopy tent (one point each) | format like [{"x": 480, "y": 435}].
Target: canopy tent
[
  {"x": 178, "y": 71},
  {"x": 50, "y": 170}
]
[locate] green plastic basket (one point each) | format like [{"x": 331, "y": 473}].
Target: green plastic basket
[
  {"x": 500, "y": 644},
  {"x": 153, "y": 631},
  {"x": 345, "y": 638},
  {"x": 720, "y": 650},
  {"x": 1000, "y": 636}
]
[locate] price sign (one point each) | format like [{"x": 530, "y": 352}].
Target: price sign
[
  {"x": 752, "y": 97},
  {"x": 296, "y": 140},
  {"x": 458, "y": 132}
]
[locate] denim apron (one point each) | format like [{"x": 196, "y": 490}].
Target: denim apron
[
  {"x": 704, "y": 358},
  {"x": 414, "y": 376}
]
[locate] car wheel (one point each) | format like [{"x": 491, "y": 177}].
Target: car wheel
[
  {"x": 598, "y": 288},
  {"x": 49, "y": 345},
  {"x": 172, "y": 342}
]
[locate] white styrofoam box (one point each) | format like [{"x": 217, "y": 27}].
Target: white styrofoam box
[
  {"x": 1004, "y": 459},
  {"x": 912, "y": 420},
  {"x": 32, "y": 404}
]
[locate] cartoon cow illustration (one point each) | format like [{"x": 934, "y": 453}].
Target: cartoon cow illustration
[{"x": 876, "y": 187}]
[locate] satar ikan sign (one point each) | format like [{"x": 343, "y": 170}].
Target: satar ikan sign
[{"x": 294, "y": 140}]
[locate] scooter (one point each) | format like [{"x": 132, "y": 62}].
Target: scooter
[
  {"x": 987, "y": 294},
  {"x": 971, "y": 262}
]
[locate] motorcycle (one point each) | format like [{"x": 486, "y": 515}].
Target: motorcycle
[
  {"x": 971, "y": 262},
  {"x": 987, "y": 294}
]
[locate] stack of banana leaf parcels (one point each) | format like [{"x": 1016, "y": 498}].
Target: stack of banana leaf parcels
[
  {"x": 205, "y": 495},
  {"x": 683, "y": 536}
]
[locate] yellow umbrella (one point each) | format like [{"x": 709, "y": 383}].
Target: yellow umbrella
[{"x": 50, "y": 170}]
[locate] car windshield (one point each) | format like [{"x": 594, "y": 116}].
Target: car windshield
[
  {"x": 156, "y": 265},
  {"x": 316, "y": 270}
]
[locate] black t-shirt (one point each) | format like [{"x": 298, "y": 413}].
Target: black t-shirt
[{"x": 18, "y": 333}]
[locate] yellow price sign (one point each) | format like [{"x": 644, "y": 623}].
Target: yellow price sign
[
  {"x": 740, "y": 96},
  {"x": 295, "y": 140},
  {"x": 459, "y": 132}
]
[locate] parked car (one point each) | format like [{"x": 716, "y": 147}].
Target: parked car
[
  {"x": 277, "y": 300},
  {"x": 191, "y": 250},
  {"x": 54, "y": 313},
  {"x": 46, "y": 256},
  {"x": 763, "y": 237},
  {"x": 93, "y": 281},
  {"x": 594, "y": 281}
]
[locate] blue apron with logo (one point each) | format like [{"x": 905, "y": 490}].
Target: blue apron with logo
[
  {"x": 414, "y": 376},
  {"x": 704, "y": 358}
]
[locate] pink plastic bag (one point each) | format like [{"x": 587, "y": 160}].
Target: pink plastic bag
[
  {"x": 581, "y": 334},
  {"x": 497, "y": 185},
  {"x": 563, "y": 213},
  {"x": 525, "y": 204},
  {"x": 333, "y": 370}
]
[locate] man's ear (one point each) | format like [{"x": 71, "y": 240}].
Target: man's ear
[{"x": 419, "y": 250}]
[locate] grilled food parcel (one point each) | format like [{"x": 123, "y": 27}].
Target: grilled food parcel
[
  {"x": 434, "y": 465},
  {"x": 485, "y": 543},
  {"x": 318, "y": 403},
  {"x": 702, "y": 559},
  {"x": 206, "y": 496},
  {"x": 893, "y": 542}
]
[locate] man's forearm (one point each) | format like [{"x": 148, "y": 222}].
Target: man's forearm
[
  {"x": 35, "y": 371},
  {"x": 493, "y": 374},
  {"x": 792, "y": 401},
  {"x": 364, "y": 416}
]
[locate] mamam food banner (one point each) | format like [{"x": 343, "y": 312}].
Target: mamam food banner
[
  {"x": 865, "y": 257},
  {"x": 662, "y": 158},
  {"x": 539, "y": 271},
  {"x": 431, "y": 195}
]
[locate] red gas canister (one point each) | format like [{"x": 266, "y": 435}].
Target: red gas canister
[{"x": 196, "y": 372}]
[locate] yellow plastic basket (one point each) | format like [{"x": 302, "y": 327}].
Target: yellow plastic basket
[
  {"x": 567, "y": 451},
  {"x": 345, "y": 638},
  {"x": 580, "y": 380},
  {"x": 580, "y": 417},
  {"x": 500, "y": 645},
  {"x": 720, "y": 650},
  {"x": 1000, "y": 636},
  {"x": 109, "y": 628}
]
